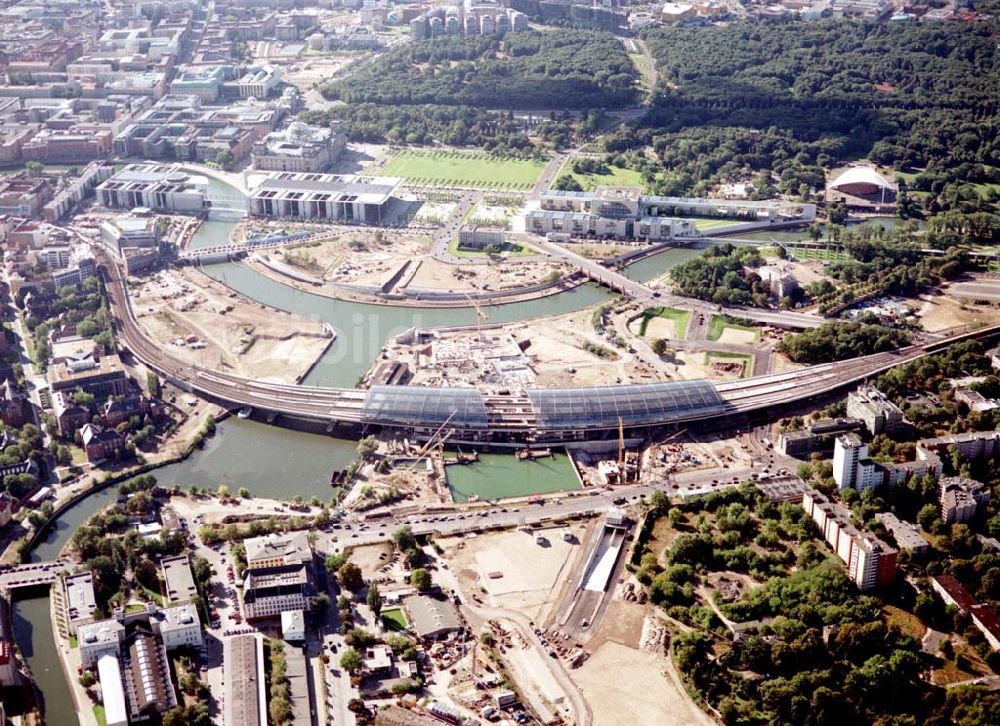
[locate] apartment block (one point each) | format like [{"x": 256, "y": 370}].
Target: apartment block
[
  {"x": 960, "y": 498},
  {"x": 870, "y": 561},
  {"x": 881, "y": 416},
  {"x": 906, "y": 534},
  {"x": 984, "y": 618}
]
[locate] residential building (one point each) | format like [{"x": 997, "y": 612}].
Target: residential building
[
  {"x": 870, "y": 561},
  {"x": 881, "y": 416},
  {"x": 984, "y": 618},
  {"x": 906, "y": 534},
  {"x": 243, "y": 666},
  {"x": 299, "y": 148},
  {"x": 78, "y": 600},
  {"x": 848, "y": 451},
  {"x": 960, "y": 498},
  {"x": 433, "y": 617},
  {"x": 102, "y": 376},
  {"x": 101, "y": 443},
  {"x": 346, "y": 198},
  {"x": 178, "y": 579},
  {"x": 818, "y": 437},
  {"x": 974, "y": 446}
]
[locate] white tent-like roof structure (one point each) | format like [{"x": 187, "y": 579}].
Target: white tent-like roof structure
[{"x": 858, "y": 175}]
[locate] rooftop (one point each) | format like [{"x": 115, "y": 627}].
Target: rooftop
[
  {"x": 432, "y": 615},
  {"x": 178, "y": 578}
]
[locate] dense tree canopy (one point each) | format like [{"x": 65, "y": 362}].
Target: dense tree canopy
[
  {"x": 578, "y": 69},
  {"x": 785, "y": 97},
  {"x": 838, "y": 341}
]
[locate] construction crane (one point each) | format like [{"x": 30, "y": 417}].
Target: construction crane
[
  {"x": 621, "y": 451},
  {"x": 480, "y": 315},
  {"x": 433, "y": 438}
]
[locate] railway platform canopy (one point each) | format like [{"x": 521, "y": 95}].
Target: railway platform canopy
[
  {"x": 603, "y": 407},
  {"x": 552, "y": 409}
]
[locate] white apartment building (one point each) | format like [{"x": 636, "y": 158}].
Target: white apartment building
[{"x": 847, "y": 452}]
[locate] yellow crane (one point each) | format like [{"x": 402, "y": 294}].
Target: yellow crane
[
  {"x": 621, "y": 451},
  {"x": 480, "y": 315}
]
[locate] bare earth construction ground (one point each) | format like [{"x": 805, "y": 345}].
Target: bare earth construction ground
[{"x": 249, "y": 339}]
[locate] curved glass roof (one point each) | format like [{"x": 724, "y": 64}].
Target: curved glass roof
[
  {"x": 637, "y": 405},
  {"x": 420, "y": 406}
]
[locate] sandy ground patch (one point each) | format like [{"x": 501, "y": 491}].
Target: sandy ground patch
[
  {"x": 511, "y": 273},
  {"x": 689, "y": 365},
  {"x": 735, "y": 336},
  {"x": 622, "y": 624},
  {"x": 367, "y": 557},
  {"x": 248, "y": 339},
  {"x": 662, "y": 328},
  {"x": 626, "y": 686},
  {"x": 939, "y": 312},
  {"x": 533, "y": 590},
  {"x": 536, "y": 680}
]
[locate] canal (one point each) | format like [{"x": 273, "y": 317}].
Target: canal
[
  {"x": 267, "y": 460},
  {"x": 497, "y": 476}
]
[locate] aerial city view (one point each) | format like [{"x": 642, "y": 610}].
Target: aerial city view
[{"x": 582, "y": 362}]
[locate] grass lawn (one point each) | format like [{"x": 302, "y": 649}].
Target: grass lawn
[
  {"x": 616, "y": 177},
  {"x": 718, "y": 324},
  {"x": 510, "y": 249},
  {"x": 821, "y": 254},
  {"x": 641, "y": 64},
  {"x": 394, "y": 619},
  {"x": 680, "y": 318},
  {"x": 716, "y": 355},
  {"x": 906, "y": 622},
  {"x": 72, "y": 641},
  {"x": 462, "y": 169},
  {"x": 99, "y": 715},
  {"x": 703, "y": 224}
]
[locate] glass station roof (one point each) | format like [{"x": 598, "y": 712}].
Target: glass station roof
[
  {"x": 419, "y": 406},
  {"x": 637, "y": 405}
]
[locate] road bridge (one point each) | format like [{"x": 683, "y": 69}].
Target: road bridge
[
  {"x": 32, "y": 574},
  {"x": 645, "y": 295}
]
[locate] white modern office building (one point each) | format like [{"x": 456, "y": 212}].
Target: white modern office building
[
  {"x": 346, "y": 198},
  {"x": 154, "y": 186}
]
